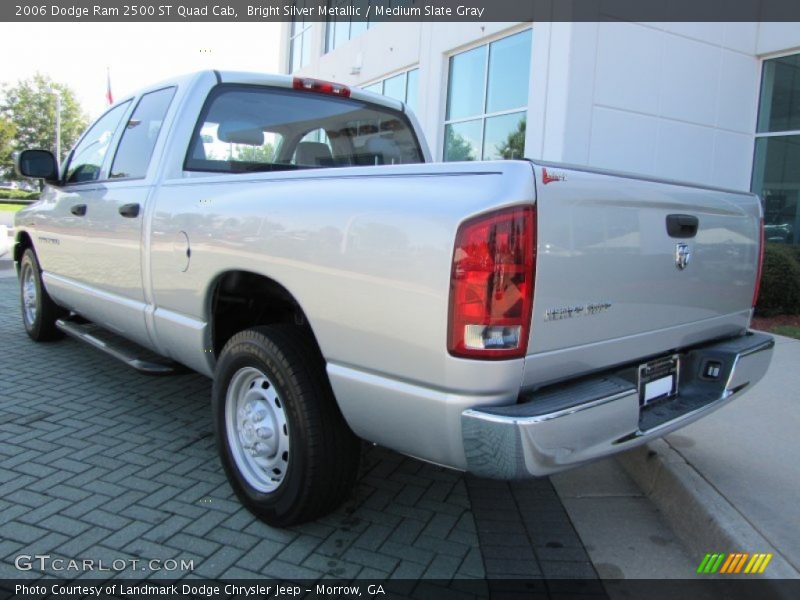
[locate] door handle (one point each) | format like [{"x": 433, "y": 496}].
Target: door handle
[
  {"x": 682, "y": 226},
  {"x": 79, "y": 210},
  {"x": 130, "y": 211}
]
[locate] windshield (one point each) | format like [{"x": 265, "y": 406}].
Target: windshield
[{"x": 247, "y": 129}]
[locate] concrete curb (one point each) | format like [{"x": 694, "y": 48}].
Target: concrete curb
[{"x": 699, "y": 515}]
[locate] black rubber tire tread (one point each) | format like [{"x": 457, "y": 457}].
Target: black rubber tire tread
[
  {"x": 43, "y": 329},
  {"x": 329, "y": 466}
]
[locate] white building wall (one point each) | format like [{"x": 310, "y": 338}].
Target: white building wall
[{"x": 675, "y": 100}]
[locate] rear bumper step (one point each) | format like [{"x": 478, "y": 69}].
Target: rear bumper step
[
  {"x": 124, "y": 350},
  {"x": 568, "y": 424}
]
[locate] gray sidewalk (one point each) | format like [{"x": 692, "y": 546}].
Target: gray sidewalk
[{"x": 731, "y": 482}]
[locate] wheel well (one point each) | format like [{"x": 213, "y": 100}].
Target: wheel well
[
  {"x": 23, "y": 243},
  {"x": 240, "y": 300}
]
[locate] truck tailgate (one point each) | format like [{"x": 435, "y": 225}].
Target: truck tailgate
[{"x": 608, "y": 276}]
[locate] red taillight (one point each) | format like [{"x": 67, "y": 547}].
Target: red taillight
[
  {"x": 491, "y": 285},
  {"x": 760, "y": 263},
  {"x": 321, "y": 87}
]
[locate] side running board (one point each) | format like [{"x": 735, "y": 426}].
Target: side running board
[{"x": 120, "y": 348}]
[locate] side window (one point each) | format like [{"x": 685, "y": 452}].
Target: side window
[
  {"x": 87, "y": 158},
  {"x": 139, "y": 138}
]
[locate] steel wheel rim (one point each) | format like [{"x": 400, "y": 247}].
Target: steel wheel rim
[
  {"x": 257, "y": 430},
  {"x": 30, "y": 297}
]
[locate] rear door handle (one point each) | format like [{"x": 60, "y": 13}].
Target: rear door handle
[
  {"x": 682, "y": 226},
  {"x": 79, "y": 210},
  {"x": 130, "y": 211}
]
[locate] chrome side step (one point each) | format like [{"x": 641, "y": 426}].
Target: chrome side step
[{"x": 120, "y": 348}]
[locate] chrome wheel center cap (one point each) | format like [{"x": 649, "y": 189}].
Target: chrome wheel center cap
[{"x": 258, "y": 426}]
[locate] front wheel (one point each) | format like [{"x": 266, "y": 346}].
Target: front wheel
[
  {"x": 39, "y": 312},
  {"x": 285, "y": 446}
]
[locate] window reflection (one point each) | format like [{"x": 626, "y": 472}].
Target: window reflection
[{"x": 487, "y": 97}]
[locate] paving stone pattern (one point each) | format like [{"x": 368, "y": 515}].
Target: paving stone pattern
[{"x": 100, "y": 462}]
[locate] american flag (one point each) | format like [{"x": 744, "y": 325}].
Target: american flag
[{"x": 109, "y": 95}]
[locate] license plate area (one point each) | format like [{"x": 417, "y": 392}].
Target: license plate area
[{"x": 658, "y": 379}]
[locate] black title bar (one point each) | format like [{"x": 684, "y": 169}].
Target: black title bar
[{"x": 411, "y": 10}]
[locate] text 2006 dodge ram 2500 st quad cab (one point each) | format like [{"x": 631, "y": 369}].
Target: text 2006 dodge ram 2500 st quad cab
[{"x": 507, "y": 318}]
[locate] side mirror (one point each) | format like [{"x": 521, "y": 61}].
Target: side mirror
[{"x": 37, "y": 164}]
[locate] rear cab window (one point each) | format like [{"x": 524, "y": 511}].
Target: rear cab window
[{"x": 245, "y": 129}]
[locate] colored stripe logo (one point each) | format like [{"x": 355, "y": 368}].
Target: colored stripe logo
[{"x": 734, "y": 563}]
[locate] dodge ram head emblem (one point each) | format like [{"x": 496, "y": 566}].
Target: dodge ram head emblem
[{"x": 682, "y": 256}]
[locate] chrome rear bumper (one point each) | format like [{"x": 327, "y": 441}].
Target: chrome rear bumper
[{"x": 568, "y": 424}]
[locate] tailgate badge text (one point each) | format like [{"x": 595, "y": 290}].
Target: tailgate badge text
[{"x": 583, "y": 310}]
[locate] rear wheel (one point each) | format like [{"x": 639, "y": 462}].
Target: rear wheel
[
  {"x": 286, "y": 449},
  {"x": 39, "y": 312}
]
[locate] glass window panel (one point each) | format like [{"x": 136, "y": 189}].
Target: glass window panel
[
  {"x": 463, "y": 141},
  {"x": 375, "y": 88},
  {"x": 359, "y": 26},
  {"x": 329, "y": 36},
  {"x": 504, "y": 137},
  {"x": 139, "y": 137},
  {"x": 509, "y": 72},
  {"x": 780, "y": 95},
  {"x": 306, "y": 56},
  {"x": 341, "y": 33},
  {"x": 297, "y": 53},
  {"x": 776, "y": 178},
  {"x": 88, "y": 156},
  {"x": 412, "y": 87},
  {"x": 466, "y": 84},
  {"x": 255, "y": 130},
  {"x": 395, "y": 87}
]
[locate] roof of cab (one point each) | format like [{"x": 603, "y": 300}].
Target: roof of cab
[
  {"x": 287, "y": 81},
  {"x": 253, "y": 78}
]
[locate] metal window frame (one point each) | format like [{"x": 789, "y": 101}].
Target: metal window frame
[
  {"x": 306, "y": 28},
  {"x": 384, "y": 79},
  {"x": 483, "y": 115},
  {"x": 762, "y": 62},
  {"x": 767, "y": 134},
  {"x": 330, "y": 26}
]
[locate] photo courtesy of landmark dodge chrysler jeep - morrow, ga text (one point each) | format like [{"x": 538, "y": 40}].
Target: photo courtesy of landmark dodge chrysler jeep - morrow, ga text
[{"x": 292, "y": 239}]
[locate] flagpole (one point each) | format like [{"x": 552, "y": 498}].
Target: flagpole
[{"x": 57, "y": 94}]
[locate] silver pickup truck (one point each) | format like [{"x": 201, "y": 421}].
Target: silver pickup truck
[{"x": 291, "y": 239}]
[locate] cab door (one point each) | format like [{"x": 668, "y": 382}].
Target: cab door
[
  {"x": 115, "y": 222},
  {"x": 62, "y": 228}
]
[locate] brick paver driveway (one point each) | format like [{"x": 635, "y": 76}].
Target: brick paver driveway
[{"x": 100, "y": 462}]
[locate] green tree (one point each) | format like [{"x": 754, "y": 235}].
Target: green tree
[
  {"x": 30, "y": 105},
  {"x": 7, "y": 134},
  {"x": 514, "y": 144},
  {"x": 259, "y": 154},
  {"x": 457, "y": 147}
]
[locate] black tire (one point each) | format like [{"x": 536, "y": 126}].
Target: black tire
[
  {"x": 323, "y": 453},
  {"x": 40, "y": 324}
]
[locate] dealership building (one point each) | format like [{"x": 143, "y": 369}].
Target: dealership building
[{"x": 711, "y": 103}]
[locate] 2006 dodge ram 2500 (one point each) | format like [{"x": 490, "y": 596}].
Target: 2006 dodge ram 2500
[{"x": 508, "y": 318}]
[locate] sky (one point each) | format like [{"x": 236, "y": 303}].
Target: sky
[{"x": 137, "y": 54}]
